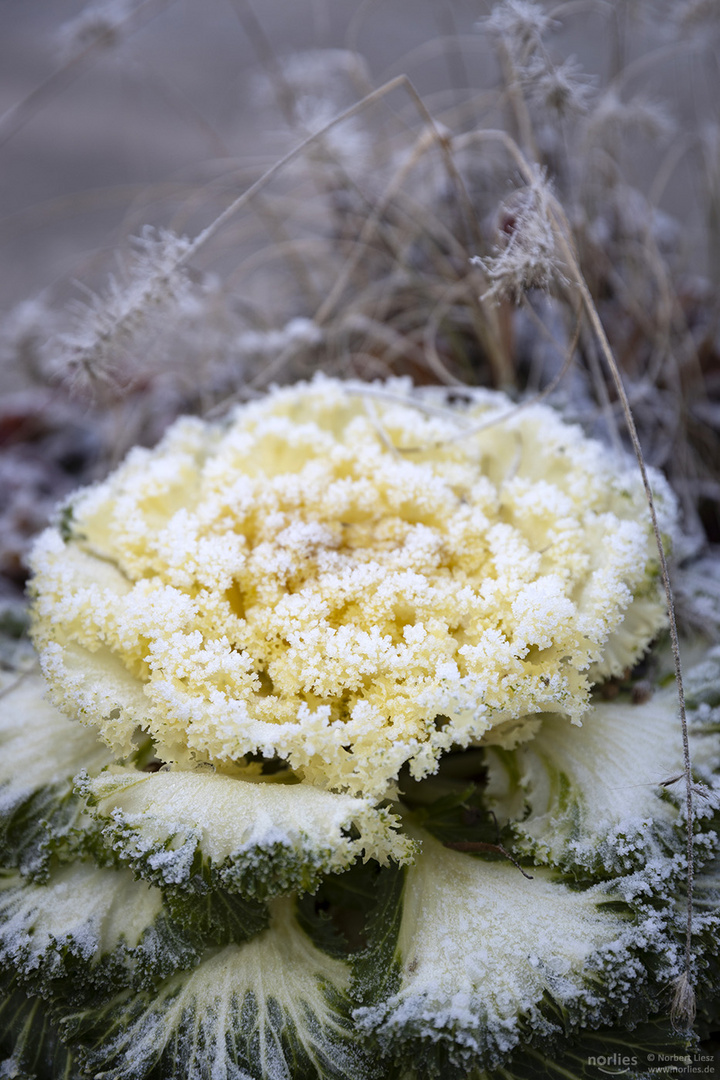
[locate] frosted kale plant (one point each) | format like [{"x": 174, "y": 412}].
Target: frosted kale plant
[{"x": 327, "y": 790}]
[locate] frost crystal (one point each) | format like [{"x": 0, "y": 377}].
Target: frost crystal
[
  {"x": 525, "y": 255},
  {"x": 482, "y": 952},
  {"x": 152, "y": 279},
  {"x": 521, "y": 25}
]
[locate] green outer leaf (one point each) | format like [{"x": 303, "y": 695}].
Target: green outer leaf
[
  {"x": 34, "y": 828},
  {"x": 89, "y": 931},
  {"x": 30, "y": 1047},
  {"x": 40, "y": 752},
  {"x": 594, "y": 801},
  {"x": 220, "y": 917},
  {"x": 198, "y": 830},
  {"x": 485, "y": 961},
  {"x": 274, "y": 1008},
  {"x": 702, "y": 681},
  {"x": 652, "y": 1049},
  {"x": 706, "y": 927},
  {"x": 376, "y": 970}
]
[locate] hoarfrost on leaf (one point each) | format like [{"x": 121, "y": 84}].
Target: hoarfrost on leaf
[
  {"x": 592, "y": 797},
  {"x": 87, "y": 930},
  {"x": 486, "y": 958},
  {"x": 40, "y": 752},
  {"x": 250, "y": 835},
  {"x": 274, "y": 1007}
]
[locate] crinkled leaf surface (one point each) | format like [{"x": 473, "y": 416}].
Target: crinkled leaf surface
[
  {"x": 274, "y": 1008},
  {"x": 41, "y": 750},
  {"x": 484, "y": 961},
  {"x": 290, "y": 584},
  {"x": 195, "y": 830},
  {"x": 591, "y": 798},
  {"x": 219, "y": 917},
  {"x": 89, "y": 930}
]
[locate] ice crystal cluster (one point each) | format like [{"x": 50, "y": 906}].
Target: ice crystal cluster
[{"x": 340, "y": 803}]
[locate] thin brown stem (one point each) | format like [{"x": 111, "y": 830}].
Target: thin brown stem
[
  {"x": 401, "y": 81},
  {"x": 572, "y": 270},
  {"x": 566, "y": 250},
  {"x": 472, "y": 846},
  {"x": 260, "y": 42}
]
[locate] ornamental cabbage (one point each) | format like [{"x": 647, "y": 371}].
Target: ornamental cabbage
[{"x": 342, "y": 803}]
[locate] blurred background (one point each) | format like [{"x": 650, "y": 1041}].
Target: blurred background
[
  {"x": 160, "y": 98},
  {"x": 128, "y": 126}
]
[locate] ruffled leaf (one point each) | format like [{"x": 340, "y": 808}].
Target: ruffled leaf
[
  {"x": 289, "y": 584},
  {"x": 198, "y": 830},
  {"x": 592, "y": 799},
  {"x": 88, "y": 931},
  {"x": 485, "y": 961},
  {"x": 270, "y": 1009},
  {"x": 40, "y": 753}
]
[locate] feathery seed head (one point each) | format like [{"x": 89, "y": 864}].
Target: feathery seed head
[
  {"x": 526, "y": 255},
  {"x": 152, "y": 279},
  {"x": 520, "y": 24},
  {"x": 98, "y": 24}
]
